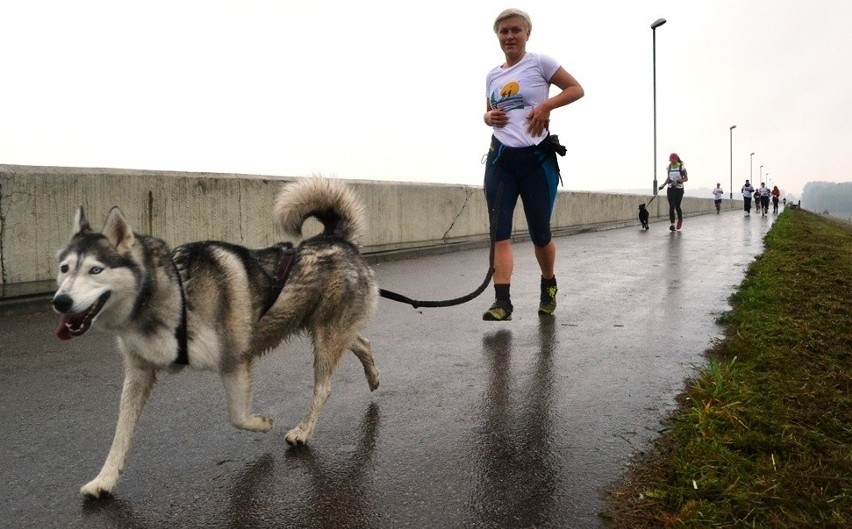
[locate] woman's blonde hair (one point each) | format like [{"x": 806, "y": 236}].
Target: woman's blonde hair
[{"x": 509, "y": 13}]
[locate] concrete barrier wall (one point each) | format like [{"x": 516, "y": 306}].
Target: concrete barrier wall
[{"x": 37, "y": 206}]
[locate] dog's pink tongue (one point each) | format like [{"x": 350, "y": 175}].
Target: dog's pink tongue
[{"x": 62, "y": 332}]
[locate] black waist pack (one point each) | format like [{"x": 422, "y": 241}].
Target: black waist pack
[{"x": 551, "y": 144}]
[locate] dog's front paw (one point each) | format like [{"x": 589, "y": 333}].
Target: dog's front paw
[
  {"x": 97, "y": 488},
  {"x": 298, "y": 436}
]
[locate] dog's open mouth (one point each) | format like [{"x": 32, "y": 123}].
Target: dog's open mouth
[{"x": 71, "y": 325}]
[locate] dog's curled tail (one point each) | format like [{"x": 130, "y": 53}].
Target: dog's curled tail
[{"x": 331, "y": 201}]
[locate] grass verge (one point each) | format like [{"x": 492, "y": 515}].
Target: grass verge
[{"x": 763, "y": 436}]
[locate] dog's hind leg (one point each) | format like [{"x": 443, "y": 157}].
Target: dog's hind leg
[
  {"x": 137, "y": 387},
  {"x": 361, "y": 348},
  {"x": 238, "y": 390},
  {"x": 329, "y": 346}
]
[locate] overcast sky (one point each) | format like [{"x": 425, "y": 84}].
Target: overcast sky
[{"x": 395, "y": 90}]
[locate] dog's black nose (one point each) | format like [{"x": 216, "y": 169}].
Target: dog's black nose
[{"x": 63, "y": 303}]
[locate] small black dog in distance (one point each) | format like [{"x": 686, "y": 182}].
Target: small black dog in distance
[{"x": 643, "y": 216}]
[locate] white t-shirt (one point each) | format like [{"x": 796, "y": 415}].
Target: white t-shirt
[
  {"x": 676, "y": 171},
  {"x": 517, "y": 90},
  {"x": 718, "y": 193},
  {"x": 764, "y": 191},
  {"x": 747, "y": 191}
]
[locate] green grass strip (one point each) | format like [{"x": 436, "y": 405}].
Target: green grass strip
[{"x": 763, "y": 436}]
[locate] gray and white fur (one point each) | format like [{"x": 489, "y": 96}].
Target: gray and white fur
[{"x": 134, "y": 287}]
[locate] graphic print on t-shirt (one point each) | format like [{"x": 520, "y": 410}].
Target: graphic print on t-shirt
[{"x": 510, "y": 97}]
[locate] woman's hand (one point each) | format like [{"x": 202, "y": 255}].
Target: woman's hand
[
  {"x": 538, "y": 120},
  {"x": 496, "y": 118}
]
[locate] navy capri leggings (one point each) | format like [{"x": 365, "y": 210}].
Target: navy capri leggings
[{"x": 530, "y": 173}]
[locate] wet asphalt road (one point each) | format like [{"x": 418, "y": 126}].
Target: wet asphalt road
[{"x": 476, "y": 424}]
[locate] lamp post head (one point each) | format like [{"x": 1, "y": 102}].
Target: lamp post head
[
  {"x": 732, "y": 127},
  {"x": 752, "y": 154},
  {"x": 657, "y": 23}
]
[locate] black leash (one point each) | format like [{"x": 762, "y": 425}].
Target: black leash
[{"x": 463, "y": 299}]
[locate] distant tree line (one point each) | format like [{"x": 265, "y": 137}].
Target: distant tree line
[{"x": 828, "y": 196}]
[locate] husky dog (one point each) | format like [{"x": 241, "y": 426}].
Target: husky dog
[
  {"x": 643, "y": 216},
  {"x": 218, "y": 306}
]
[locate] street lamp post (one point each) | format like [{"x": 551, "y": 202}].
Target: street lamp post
[
  {"x": 761, "y": 174},
  {"x": 657, "y": 23},
  {"x": 750, "y": 168},
  {"x": 731, "y": 134}
]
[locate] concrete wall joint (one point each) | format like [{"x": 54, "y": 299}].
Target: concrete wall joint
[{"x": 468, "y": 193}]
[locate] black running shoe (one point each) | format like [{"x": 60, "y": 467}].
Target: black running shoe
[{"x": 499, "y": 311}]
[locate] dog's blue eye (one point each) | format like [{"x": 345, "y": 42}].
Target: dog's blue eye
[{"x": 96, "y": 270}]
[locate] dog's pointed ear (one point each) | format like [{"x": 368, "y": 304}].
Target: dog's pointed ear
[
  {"x": 81, "y": 224},
  {"x": 117, "y": 230}
]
